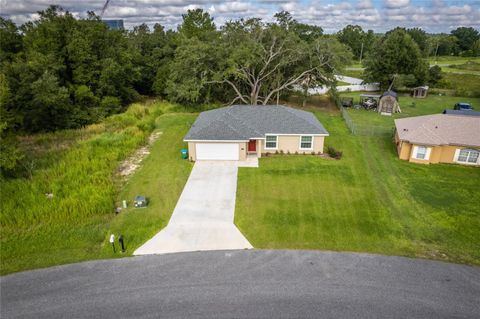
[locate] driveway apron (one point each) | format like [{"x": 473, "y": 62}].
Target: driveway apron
[{"x": 203, "y": 216}]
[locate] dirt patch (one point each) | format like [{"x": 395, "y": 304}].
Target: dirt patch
[
  {"x": 314, "y": 103},
  {"x": 132, "y": 163}
]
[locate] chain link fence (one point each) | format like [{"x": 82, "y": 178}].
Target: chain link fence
[{"x": 363, "y": 130}]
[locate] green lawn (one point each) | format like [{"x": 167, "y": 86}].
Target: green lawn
[
  {"x": 75, "y": 224},
  {"x": 462, "y": 84},
  {"x": 369, "y": 201},
  {"x": 451, "y": 60},
  {"x": 161, "y": 178},
  {"x": 353, "y": 73},
  {"x": 433, "y": 104},
  {"x": 442, "y": 60}
]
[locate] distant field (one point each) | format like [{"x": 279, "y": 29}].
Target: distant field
[
  {"x": 353, "y": 73},
  {"x": 433, "y": 104},
  {"x": 451, "y": 60},
  {"x": 462, "y": 84},
  {"x": 442, "y": 60}
]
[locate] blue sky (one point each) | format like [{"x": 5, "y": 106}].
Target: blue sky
[{"x": 331, "y": 15}]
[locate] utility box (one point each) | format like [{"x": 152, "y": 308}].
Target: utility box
[
  {"x": 184, "y": 154},
  {"x": 140, "y": 201}
]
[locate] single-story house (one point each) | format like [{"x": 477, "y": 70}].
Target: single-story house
[
  {"x": 234, "y": 132},
  {"x": 439, "y": 138}
]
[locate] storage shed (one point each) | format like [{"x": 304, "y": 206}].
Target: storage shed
[
  {"x": 420, "y": 92},
  {"x": 388, "y": 103}
]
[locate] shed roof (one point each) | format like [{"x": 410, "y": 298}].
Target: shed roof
[
  {"x": 243, "y": 122},
  {"x": 390, "y": 93},
  {"x": 440, "y": 129}
]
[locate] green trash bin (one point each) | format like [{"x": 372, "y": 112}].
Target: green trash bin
[{"x": 184, "y": 154}]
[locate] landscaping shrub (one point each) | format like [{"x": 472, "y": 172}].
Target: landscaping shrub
[{"x": 334, "y": 153}]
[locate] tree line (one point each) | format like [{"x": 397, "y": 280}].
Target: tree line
[
  {"x": 60, "y": 72},
  {"x": 462, "y": 41}
]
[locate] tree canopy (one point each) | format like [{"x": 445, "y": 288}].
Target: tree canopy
[
  {"x": 359, "y": 41},
  {"x": 396, "y": 55},
  {"x": 59, "y": 71}
]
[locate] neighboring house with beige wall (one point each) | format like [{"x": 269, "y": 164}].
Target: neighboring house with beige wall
[
  {"x": 235, "y": 132},
  {"x": 439, "y": 138}
]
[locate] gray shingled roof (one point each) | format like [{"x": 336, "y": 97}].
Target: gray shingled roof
[{"x": 242, "y": 122}]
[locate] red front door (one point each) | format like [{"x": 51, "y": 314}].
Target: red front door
[{"x": 252, "y": 146}]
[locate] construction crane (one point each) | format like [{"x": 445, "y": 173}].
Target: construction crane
[{"x": 104, "y": 8}]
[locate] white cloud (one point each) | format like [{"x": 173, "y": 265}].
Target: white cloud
[
  {"x": 396, "y": 3},
  {"x": 364, "y": 4},
  {"x": 432, "y": 15}
]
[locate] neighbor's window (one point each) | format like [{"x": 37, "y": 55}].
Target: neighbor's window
[
  {"x": 468, "y": 156},
  {"x": 306, "y": 142},
  {"x": 421, "y": 152},
  {"x": 270, "y": 141}
]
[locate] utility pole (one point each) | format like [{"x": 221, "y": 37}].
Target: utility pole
[{"x": 361, "y": 54}]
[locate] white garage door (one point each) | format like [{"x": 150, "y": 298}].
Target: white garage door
[{"x": 217, "y": 151}]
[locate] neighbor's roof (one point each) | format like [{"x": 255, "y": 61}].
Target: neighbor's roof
[
  {"x": 462, "y": 112},
  {"x": 242, "y": 122},
  {"x": 440, "y": 129}
]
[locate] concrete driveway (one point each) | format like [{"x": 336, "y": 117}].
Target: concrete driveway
[{"x": 203, "y": 217}]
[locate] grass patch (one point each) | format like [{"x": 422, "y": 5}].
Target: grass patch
[
  {"x": 369, "y": 201},
  {"x": 161, "y": 179},
  {"x": 353, "y": 73},
  {"x": 74, "y": 224},
  {"x": 463, "y": 84},
  {"x": 452, "y": 60}
]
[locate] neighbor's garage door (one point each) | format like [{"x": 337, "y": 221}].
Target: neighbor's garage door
[{"x": 217, "y": 151}]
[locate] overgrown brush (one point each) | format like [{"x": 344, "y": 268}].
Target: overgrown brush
[{"x": 81, "y": 179}]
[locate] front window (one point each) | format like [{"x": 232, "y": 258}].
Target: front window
[
  {"x": 306, "y": 142},
  {"x": 421, "y": 152},
  {"x": 270, "y": 142},
  {"x": 468, "y": 156}
]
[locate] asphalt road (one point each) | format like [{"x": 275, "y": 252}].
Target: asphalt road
[{"x": 246, "y": 284}]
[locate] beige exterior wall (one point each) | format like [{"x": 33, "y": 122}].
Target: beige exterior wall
[
  {"x": 291, "y": 143},
  {"x": 404, "y": 149},
  {"x": 192, "y": 155},
  {"x": 285, "y": 143},
  {"x": 242, "y": 148},
  {"x": 438, "y": 154}
]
